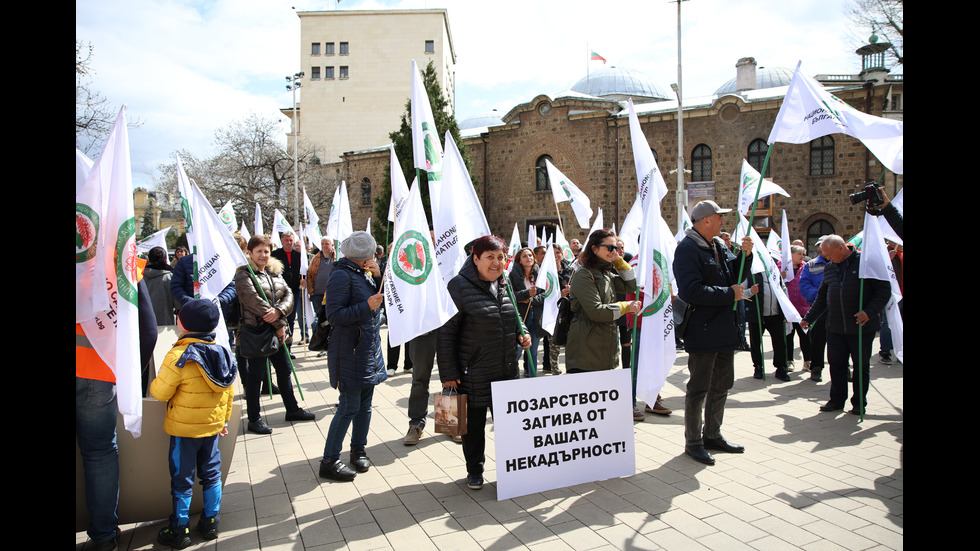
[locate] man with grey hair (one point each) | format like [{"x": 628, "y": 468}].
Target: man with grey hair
[
  {"x": 851, "y": 312},
  {"x": 707, "y": 280}
]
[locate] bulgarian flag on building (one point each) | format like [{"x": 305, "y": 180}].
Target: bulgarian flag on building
[
  {"x": 114, "y": 332},
  {"x": 593, "y": 56}
]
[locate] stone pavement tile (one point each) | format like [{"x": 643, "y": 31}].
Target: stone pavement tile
[
  {"x": 272, "y": 506},
  {"x": 352, "y": 513},
  {"x": 672, "y": 539},
  {"x": 437, "y": 523},
  {"x": 622, "y": 536},
  {"x": 882, "y": 536},
  {"x": 364, "y": 537},
  {"x": 739, "y": 509},
  {"x": 680, "y": 520},
  {"x": 420, "y": 502},
  {"x": 459, "y": 541},
  {"x": 281, "y": 527},
  {"x": 578, "y": 536},
  {"x": 483, "y": 527},
  {"x": 722, "y": 541},
  {"x": 735, "y": 527},
  {"x": 530, "y": 531},
  {"x": 846, "y": 538},
  {"x": 551, "y": 545}
]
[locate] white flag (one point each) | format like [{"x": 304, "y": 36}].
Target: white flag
[
  {"x": 158, "y": 239},
  {"x": 90, "y": 292},
  {"x": 416, "y": 298},
  {"x": 280, "y": 224},
  {"x": 548, "y": 280},
  {"x": 244, "y": 232},
  {"x": 258, "y": 220},
  {"x": 399, "y": 188},
  {"x": 596, "y": 225},
  {"x": 339, "y": 225},
  {"x": 312, "y": 224},
  {"x": 886, "y": 229},
  {"x": 750, "y": 186},
  {"x": 216, "y": 253},
  {"x": 762, "y": 263},
  {"x": 632, "y": 227},
  {"x": 648, "y": 175},
  {"x": 876, "y": 264},
  {"x": 774, "y": 244},
  {"x": 513, "y": 247},
  {"x": 683, "y": 224},
  {"x": 566, "y": 249},
  {"x": 425, "y": 138},
  {"x": 532, "y": 236},
  {"x": 788, "y": 273},
  {"x": 809, "y": 111},
  {"x": 655, "y": 275},
  {"x": 114, "y": 332},
  {"x": 457, "y": 217},
  {"x": 227, "y": 215},
  {"x": 562, "y": 189}
]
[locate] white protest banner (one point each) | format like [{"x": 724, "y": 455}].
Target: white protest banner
[
  {"x": 90, "y": 292},
  {"x": 244, "y": 232},
  {"x": 227, "y": 215},
  {"x": 548, "y": 280},
  {"x": 399, "y": 188},
  {"x": 515, "y": 245},
  {"x": 258, "y": 220},
  {"x": 750, "y": 186},
  {"x": 426, "y": 151},
  {"x": 875, "y": 263},
  {"x": 312, "y": 229},
  {"x": 557, "y": 432},
  {"x": 648, "y": 175}
]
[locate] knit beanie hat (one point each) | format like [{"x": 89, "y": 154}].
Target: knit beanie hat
[
  {"x": 199, "y": 316},
  {"x": 359, "y": 246}
]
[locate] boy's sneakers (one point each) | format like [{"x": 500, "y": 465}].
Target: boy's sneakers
[
  {"x": 208, "y": 527},
  {"x": 177, "y": 537}
]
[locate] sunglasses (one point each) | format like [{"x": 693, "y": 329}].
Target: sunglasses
[{"x": 610, "y": 248}]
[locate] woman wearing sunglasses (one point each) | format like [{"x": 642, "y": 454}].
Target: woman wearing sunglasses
[{"x": 593, "y": 337}]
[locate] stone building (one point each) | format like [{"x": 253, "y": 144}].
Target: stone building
[{"x": 585, "y": 133}]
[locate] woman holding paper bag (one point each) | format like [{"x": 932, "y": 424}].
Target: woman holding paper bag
[
  {"x": 593, "y": 337},
  {"x": 481, "y": 343}
]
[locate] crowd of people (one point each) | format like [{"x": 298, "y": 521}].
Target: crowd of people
[{"x": 499, "y": 318}]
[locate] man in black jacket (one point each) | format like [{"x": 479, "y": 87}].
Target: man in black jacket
[
  {"x": 707, "y": 280},
  {"x": 847, "y": 317}
]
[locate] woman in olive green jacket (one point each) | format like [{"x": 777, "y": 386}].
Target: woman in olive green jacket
[{"x": 593, "y": 338}]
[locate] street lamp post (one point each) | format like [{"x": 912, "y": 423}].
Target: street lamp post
[
  {"x": 295, "y": 82},
  {"x": 677, "y": 88}
]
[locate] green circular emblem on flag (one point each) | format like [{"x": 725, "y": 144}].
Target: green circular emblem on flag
[
  {"x": 125, "y": 261},
  {"x": 86, "y": 232},
  {"x": 413, "y": 258},
  {"x": 552, "y": 285},
  {"x": 185, "y": 210},
  {"x": 659, "y": 285}
]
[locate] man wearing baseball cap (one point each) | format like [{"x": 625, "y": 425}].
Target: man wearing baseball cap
[{"x": 707, "y": 281}]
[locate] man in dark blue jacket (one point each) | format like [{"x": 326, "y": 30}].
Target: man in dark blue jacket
[
  {"x": 849, "y": 313},
  {"x": 707, "y": 280}
]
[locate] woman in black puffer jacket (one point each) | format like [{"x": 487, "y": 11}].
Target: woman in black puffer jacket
[{"x": 480, "y": 344}]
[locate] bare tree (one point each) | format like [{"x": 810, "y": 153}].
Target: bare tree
[
  {"x": 94, "y": 115},
  {"x": 885, "y": 18}
]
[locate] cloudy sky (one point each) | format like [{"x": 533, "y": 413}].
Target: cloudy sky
[{"x": 186, "y": 68}]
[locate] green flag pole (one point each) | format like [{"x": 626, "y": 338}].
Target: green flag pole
[
  {"x": 520, "y": 327},
  {"x": 290, "y": 360},
  {"x": 758, "y": 188}
]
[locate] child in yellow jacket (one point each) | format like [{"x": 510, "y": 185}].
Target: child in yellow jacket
[{"x": 196, "y": 380}]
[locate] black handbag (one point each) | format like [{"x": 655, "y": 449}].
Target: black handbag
[
  {"x": 257, "y": 341},
  {"x": 320, "y": 338},
  {"x": 563, "y": 322}
]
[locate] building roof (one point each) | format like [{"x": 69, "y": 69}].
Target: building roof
[
  {"x": 620, "y": 83},
  {"x": 765, "y": 77},
  {"x": 489, "y": 118}
]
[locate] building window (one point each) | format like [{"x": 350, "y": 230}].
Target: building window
[
  {"x": 316, "y": 49},
  {"x": 315, "y": 72},
  {"x": 328, "y": 48},
  {"x": 822, "y": 156},
  {"x": 814, "y": 232},
  {"x": 541, "y": 180},
  {"x": 430, "y": 46},
  {"x": 343, "y": 72},
  {"x": 366, "y": 191},
  {"x": 757, "y": 156},
  {"x": 329, "y": 73},
  {"x": 344, "y": 48},
  {"x": 701, "y": 164}
]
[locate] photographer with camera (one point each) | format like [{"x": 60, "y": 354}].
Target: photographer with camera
[{"x": 877, "y": 203}]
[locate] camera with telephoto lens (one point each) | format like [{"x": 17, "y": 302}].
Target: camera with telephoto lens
[{"x": 871, "y": 195}]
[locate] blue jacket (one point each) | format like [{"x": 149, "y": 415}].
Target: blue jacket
[
  {"x": 810, "y": 278},
  {"x": 354, "y": 355},
  {"x": 182, "y": 289}
]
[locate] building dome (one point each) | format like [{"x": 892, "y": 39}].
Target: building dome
[
  {"x": 617, "y": 83},
  {"x": 490, "y": 118},
  {"x": 764, "y": 78}
]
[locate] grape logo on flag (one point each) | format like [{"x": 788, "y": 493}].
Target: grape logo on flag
[
  {"x": 413, "y": 258},
  {"x": 226, "y": 217},
  {"x": 564, "y": 186},
  {"x": 125, "y": 261},
  {"x": 567, "y": 253},
  {"x": 432, "y": 162},
  {"x": 660, "y": 290},
  {"x": 86, "y": 232}
]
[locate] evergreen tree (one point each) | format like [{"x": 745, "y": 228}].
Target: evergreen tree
[{"x": 402, "y": 139}]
